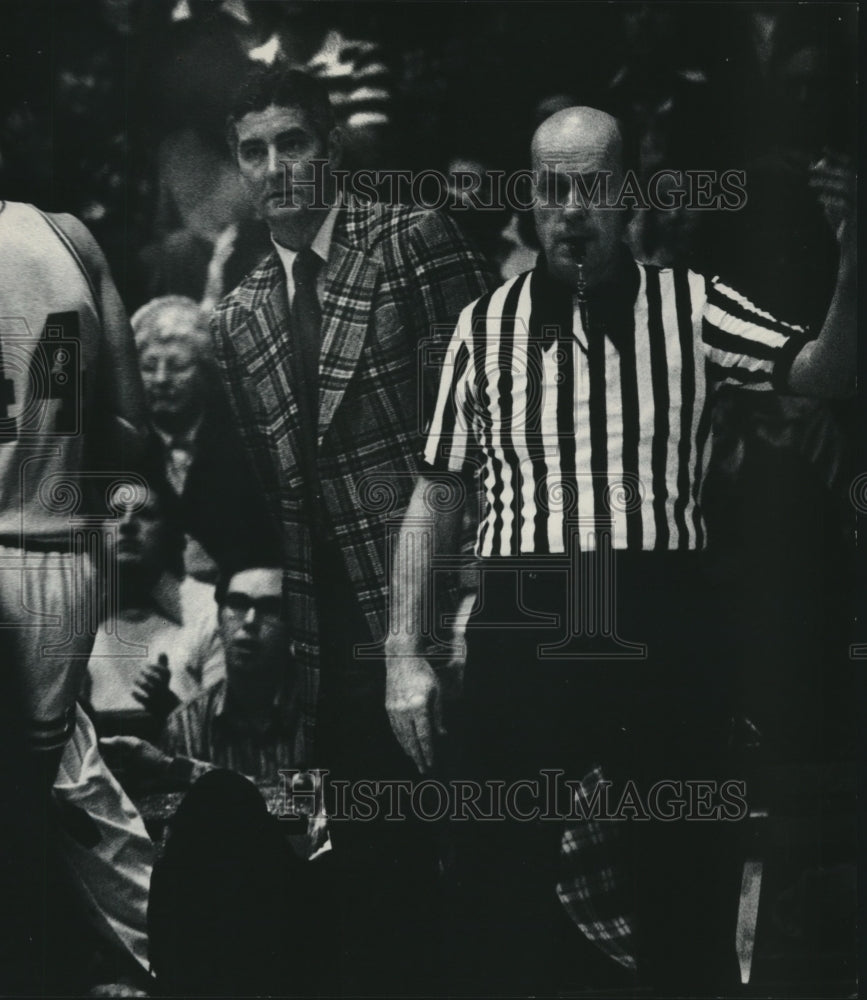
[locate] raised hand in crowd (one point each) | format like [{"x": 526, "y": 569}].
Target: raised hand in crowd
[
  {"x": 151, "y": 689},
  {"x": 834, "y": 182},
  {"x": 825, "y": 366}
]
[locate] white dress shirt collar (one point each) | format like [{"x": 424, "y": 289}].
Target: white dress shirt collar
[{"x": 321, "y": 246}]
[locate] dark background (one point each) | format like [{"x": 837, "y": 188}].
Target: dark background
[{"x": 90, "y": 89}]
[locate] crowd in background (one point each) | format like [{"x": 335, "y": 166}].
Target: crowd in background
[{"x": 114, "y": 111}]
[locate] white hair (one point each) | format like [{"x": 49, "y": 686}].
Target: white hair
[{"x": 172, "y": 318}]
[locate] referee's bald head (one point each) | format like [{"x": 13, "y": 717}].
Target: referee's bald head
[
  {"x": 587, "y": 132},
  {"x": 578, "y": 161}
]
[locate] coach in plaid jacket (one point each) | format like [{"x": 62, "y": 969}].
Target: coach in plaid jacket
[{"x": 392, "y": 276}]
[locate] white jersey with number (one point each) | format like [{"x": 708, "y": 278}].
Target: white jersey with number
[{"x": 49, "y": 344}]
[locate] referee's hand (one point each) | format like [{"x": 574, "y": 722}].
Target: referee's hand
[{"x": 413, "y": 700}]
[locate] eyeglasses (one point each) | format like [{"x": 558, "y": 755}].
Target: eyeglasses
[{"x": 270, "y": 606}]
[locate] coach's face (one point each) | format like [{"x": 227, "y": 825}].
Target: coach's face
[
  {"x": 585, "y": 144},
  {"x": 275, "y": 151}
]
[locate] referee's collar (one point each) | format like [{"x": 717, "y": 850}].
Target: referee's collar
[
  {"x": 610, "y": 304},
  {"x": 621, "y": 287}
]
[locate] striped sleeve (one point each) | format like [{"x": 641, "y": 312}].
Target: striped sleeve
[
  {"x": 179, "y": 737},
  {"x": 745, "y": 345},
  {"x": 449, "y": 439}
]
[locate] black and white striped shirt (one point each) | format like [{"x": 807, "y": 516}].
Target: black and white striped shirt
[
  {"x": 746, "y": 345},
  {"x": 604, "y": 432}
]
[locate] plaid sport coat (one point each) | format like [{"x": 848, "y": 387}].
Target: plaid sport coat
[{"x": 395, "y": 277}]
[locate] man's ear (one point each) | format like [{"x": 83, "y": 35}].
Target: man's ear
[{"x": 336, "y": 146}]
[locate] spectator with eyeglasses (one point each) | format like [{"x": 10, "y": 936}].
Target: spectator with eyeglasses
[
  {"x": 232, "y": 872},
  {"x": 247, "y": 721}
]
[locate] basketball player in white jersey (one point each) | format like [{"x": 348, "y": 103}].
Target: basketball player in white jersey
[
  {"x": 69, "y": 387},
  {"x": 66, "y": 360}
]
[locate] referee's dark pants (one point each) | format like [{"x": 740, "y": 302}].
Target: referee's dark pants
[
  {"x": 385, "y": 869},
  {"x": 663, "y": 717}
]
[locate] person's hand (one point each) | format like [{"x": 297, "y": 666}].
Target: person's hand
[
  {"x": 151, "y": 689},
  {"x": 135, "y": 758},
  {"x": 142, "y": 767},
  {"x": 833, "y": 180},
  {"x": 413, "y": 700}
]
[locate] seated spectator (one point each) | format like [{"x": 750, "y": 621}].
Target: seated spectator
[
  {"x": 248, "y": 721},
  {"x": 157, "y": 644},
  {"x": 205, "y": 463}
]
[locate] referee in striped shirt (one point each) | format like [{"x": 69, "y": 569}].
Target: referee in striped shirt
[{"x": 576, "y": 396}]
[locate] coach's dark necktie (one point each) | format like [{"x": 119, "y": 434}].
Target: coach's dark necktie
[
  {"x": 306, "y": 316},
  {"x": 335, "y": 597}
]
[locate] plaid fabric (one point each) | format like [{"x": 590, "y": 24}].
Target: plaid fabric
[
  {"x": 394, "y": 277},
  {"x": 594, "y": 887}
]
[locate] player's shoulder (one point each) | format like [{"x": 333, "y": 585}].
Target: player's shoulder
[{"x": 81, "y": 238}]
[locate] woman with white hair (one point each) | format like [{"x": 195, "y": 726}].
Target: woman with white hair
[{"x": 222, "y": 508}]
